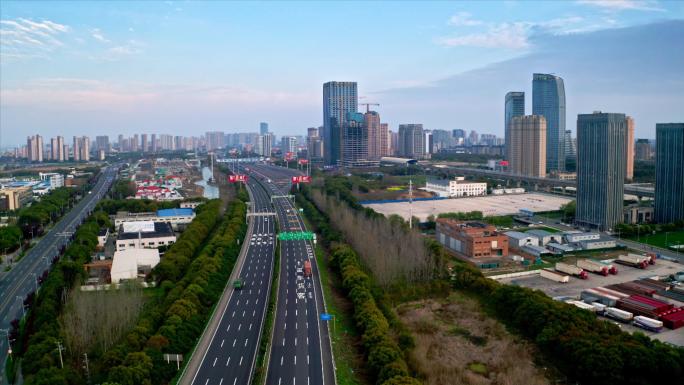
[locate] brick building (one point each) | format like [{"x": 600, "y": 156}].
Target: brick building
[{"x": 472, "y": 239}]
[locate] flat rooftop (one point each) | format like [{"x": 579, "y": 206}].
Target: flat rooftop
[{"x": 491, "y": 205}]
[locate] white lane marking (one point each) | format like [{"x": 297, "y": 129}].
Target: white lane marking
[
  {"x": 295, "y": 341},
  {"x": 241, "y": 360},
  {"x": 235, "y": 382},
  {"x": 222, "y": 341},
  {"x": 307, "y": 359},
  {"x": 221, "y": 382},
  {"x": 232, "y": 316},
  {"x": 283, "y": 341},
  {"x": 234, "y": 341},
  {"x": 281, "y": 360},
  {"x": 307, "y": 340},
  {"x": 295, "y": 359},
  {"x": 239, "y": 327},
  {"x": 246, "y": 339},
  {"x": 216, "y": 358},
  {"x": 206, "y": 382},
  {"x": 250, "y": 326},
  {"x": 228, "y": 362}
]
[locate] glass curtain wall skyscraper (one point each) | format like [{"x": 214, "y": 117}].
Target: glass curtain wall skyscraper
[
  {"x": 548, "y": 100},
  {"x": 339, "y": 99},
  {"x": 514, "y": 106},
  {"x": 601, "y": 165},
  {"x": 669, "y": 187}
]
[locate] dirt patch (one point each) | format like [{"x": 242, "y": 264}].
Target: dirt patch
[{"x": 456, "y": 343}]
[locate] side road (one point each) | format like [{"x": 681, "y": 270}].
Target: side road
[{"x": 195, "y": 360}]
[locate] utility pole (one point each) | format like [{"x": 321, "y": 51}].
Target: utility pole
[
  {"x": 86, "y": 367},
  {"x": 410, "y": 203},
  {"x": 60, "y": 348}
]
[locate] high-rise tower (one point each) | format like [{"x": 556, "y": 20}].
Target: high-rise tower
[
  {"x": 339, "y": 99},
  {"x": 548, "y": 100},
  {"x": 514, "y": 106}
]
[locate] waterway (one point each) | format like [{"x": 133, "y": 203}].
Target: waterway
[{"x": 210, "y": 191}]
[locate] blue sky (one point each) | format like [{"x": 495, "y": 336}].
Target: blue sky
[{"x": 190, "y": 67}]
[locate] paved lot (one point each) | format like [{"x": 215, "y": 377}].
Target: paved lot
[
  {"x": 489, "y": 205},
  {"x": 625, "y": 273}
]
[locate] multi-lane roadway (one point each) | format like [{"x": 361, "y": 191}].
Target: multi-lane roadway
[
  {"x": 229, "y": 356},
  {"x": 23, "y": 278},
  {"x": 300, "y": 348}
]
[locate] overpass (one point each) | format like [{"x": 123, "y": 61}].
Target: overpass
[{"x": 638, "y": 191}]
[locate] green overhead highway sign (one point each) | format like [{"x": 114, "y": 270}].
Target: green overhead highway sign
[{"x": 296, "y": 236}]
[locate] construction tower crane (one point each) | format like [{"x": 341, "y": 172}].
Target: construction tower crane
[{"x": 368, "y": 105}]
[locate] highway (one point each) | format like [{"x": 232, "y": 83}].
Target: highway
[
  {"x": 23, "y": 278},
  {"x": 300, "y": 350},
  {"x": 229, "y": 357}
]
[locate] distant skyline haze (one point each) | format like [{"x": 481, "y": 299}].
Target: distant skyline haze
[{"x": 185, "y": 68}]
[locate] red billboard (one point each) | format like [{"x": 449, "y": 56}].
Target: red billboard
[
  {"x": 237, "y": 178},
  {"x": 289, "y": 155},
  {"x": 301, "y": 179},
  {"x": 303, "y": 161}
]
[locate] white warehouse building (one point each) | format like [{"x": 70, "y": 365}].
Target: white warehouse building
[
  {"x": 518, "y": 240},
  {"x": 144, "y": 235},
  {"x": 129, "y": 264},
  {"x": 458, "y": 187}
]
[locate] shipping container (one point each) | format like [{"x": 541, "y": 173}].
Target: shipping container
[
  {"x": 554, "y": 276},
  {"x": 582, "y": 305},
  {"x": 572, "y": 270},
  {"x": 660, "y": 306},
  {"x": 673, "y": 319},
  {"x": 648, "y": 323},
  {"x": 593, "y": 266},
  {"x": 634, "y": 260},
  {"x": 619, "y": 315},
  {"x": 596, "y": 296}
]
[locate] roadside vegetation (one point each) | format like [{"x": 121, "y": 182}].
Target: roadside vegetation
[
  {"x": 33, "y": 219},
  {"x": 125, "y": 332},
  {"x": 575, "y": 345}
]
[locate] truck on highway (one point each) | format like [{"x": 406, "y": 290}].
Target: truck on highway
[
  {"x": 571, "y": 270},
  {"x": 554, "y": 275},
  {"x": 594, "y": 266},
  {"x": 618, "y": 315},
  {"x": 648, "y": 323},
  {"x": 307, "y": 268},
  {"x": 634, "y": 260}
]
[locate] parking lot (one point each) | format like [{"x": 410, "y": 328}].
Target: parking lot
[
  {"x": 625, "y": 274},
  {"x": 488, "y": 205}
]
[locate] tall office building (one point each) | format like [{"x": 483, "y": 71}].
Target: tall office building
[
  {"x": 473, "y": 138},
  {"x": 34, "y": 145},
  {"x": 394, "y": 143},
  {"x": 459, "y": 137},
  {"x": 288, "y": 144},
  {"x": 429, "y": 143},
  {"x": 669, "y": 187},
  {"x": 57, "y": 149},
  {"x": 570, "y": 146},
  {"x": 411, "y": 141},
  {"x": 81, "y": 148},
  {"x": 314, "y": 143},
  {"x": 135, "y": 143},
  {"x": 514, "y": 106},
  {"x": 143, "y": 143},
  {"x": 119, "y": 142},
  {"x": 371, "y": 120},
  {"x": 629, "y": 149},
  {"x": 548, "y": 100},
  {"x": 153, "y": 143},
  {"x": 339, "y": 99},
  {"x": 643, "y": 149},
  {"x": 601, "y": 166},
  {"x": 263, "y": 128},
  {"x": 527, "y": 145},
  {"x": 384, "y": 140},
  {"x": 214, "y": 140},
  {"x": 266, "y": 144},
  {"x": 354, "y": 141},
  {"x": 102, "y": 143}
]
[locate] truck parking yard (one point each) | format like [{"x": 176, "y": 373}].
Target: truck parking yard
[{"x": 577, "y": 288}]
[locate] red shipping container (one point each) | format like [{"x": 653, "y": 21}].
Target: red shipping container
[
  {"x": 674, "y": 320},
  {"x": 659, "y": 306}
]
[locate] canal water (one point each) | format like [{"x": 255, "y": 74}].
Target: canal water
[{"x": 210, "y": 191}]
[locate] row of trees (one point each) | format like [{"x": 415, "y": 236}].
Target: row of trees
[
  {"x": 37, "y": 344},
  {"x": 51, "y": 207},
  {"x": 499, "y": 220},
  {"x": 633, "y": 230},
  {"x": 385, "y": 357},
  {"x": 10, "y": 238},
  {"x": 585, "y": 349},
  {"x": 393, "y": 252},
  {"x": 191, "y": 283}
]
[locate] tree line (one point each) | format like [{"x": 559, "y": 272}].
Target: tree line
[
  {"x": 393, "y": 252},
  {"x": 385, "y": 356},
  {"x": 50, "y": 208}
]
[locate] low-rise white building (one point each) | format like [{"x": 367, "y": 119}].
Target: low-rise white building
[
  {"x": 519, "y": 240},
  {"x": 546, "y": 237},
  {"x": 575, "y": 237},
  {"x": 132, "y": 263},
  {"x": 56, "y": 180},
  {"x": 190, "y": 205},
  {"x": 102, "y": 237},
  {"x": 176, "y": 217},
  {"x": 458, "y": 187},
  {"x": 144, "y": 235}
]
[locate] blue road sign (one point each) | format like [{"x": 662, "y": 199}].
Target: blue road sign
[{"x": 326, "y": 317}]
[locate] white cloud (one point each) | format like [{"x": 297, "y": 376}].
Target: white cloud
[
  {"x": 96, "y": 33},
  {"x": 515, "y": 35},
  {"x": 623, "y": 5},
  {"x": 24, "y": 38},
  {"x": 505, "y": 35},
  {"x": 464, "y": 19}
]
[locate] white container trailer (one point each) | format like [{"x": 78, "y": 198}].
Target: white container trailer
[
  {"x": 554, "y": 276},
  {"x": 617, "y": 314},
  {"x": 571, "y": 269},
  {"x": 599, "y": 307},
  {"x": 582, "y": 305},
  {"x": 648, "y": 323},
  {"x": 593, "y": 266}
]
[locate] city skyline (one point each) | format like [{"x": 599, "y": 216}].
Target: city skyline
[{"x": 63, "y": 73}]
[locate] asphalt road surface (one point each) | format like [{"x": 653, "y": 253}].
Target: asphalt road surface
[
  {"x": 23, "y": 278},
  {"x": 300, "y": 350},
  {"x": 230, "y": 356}
]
